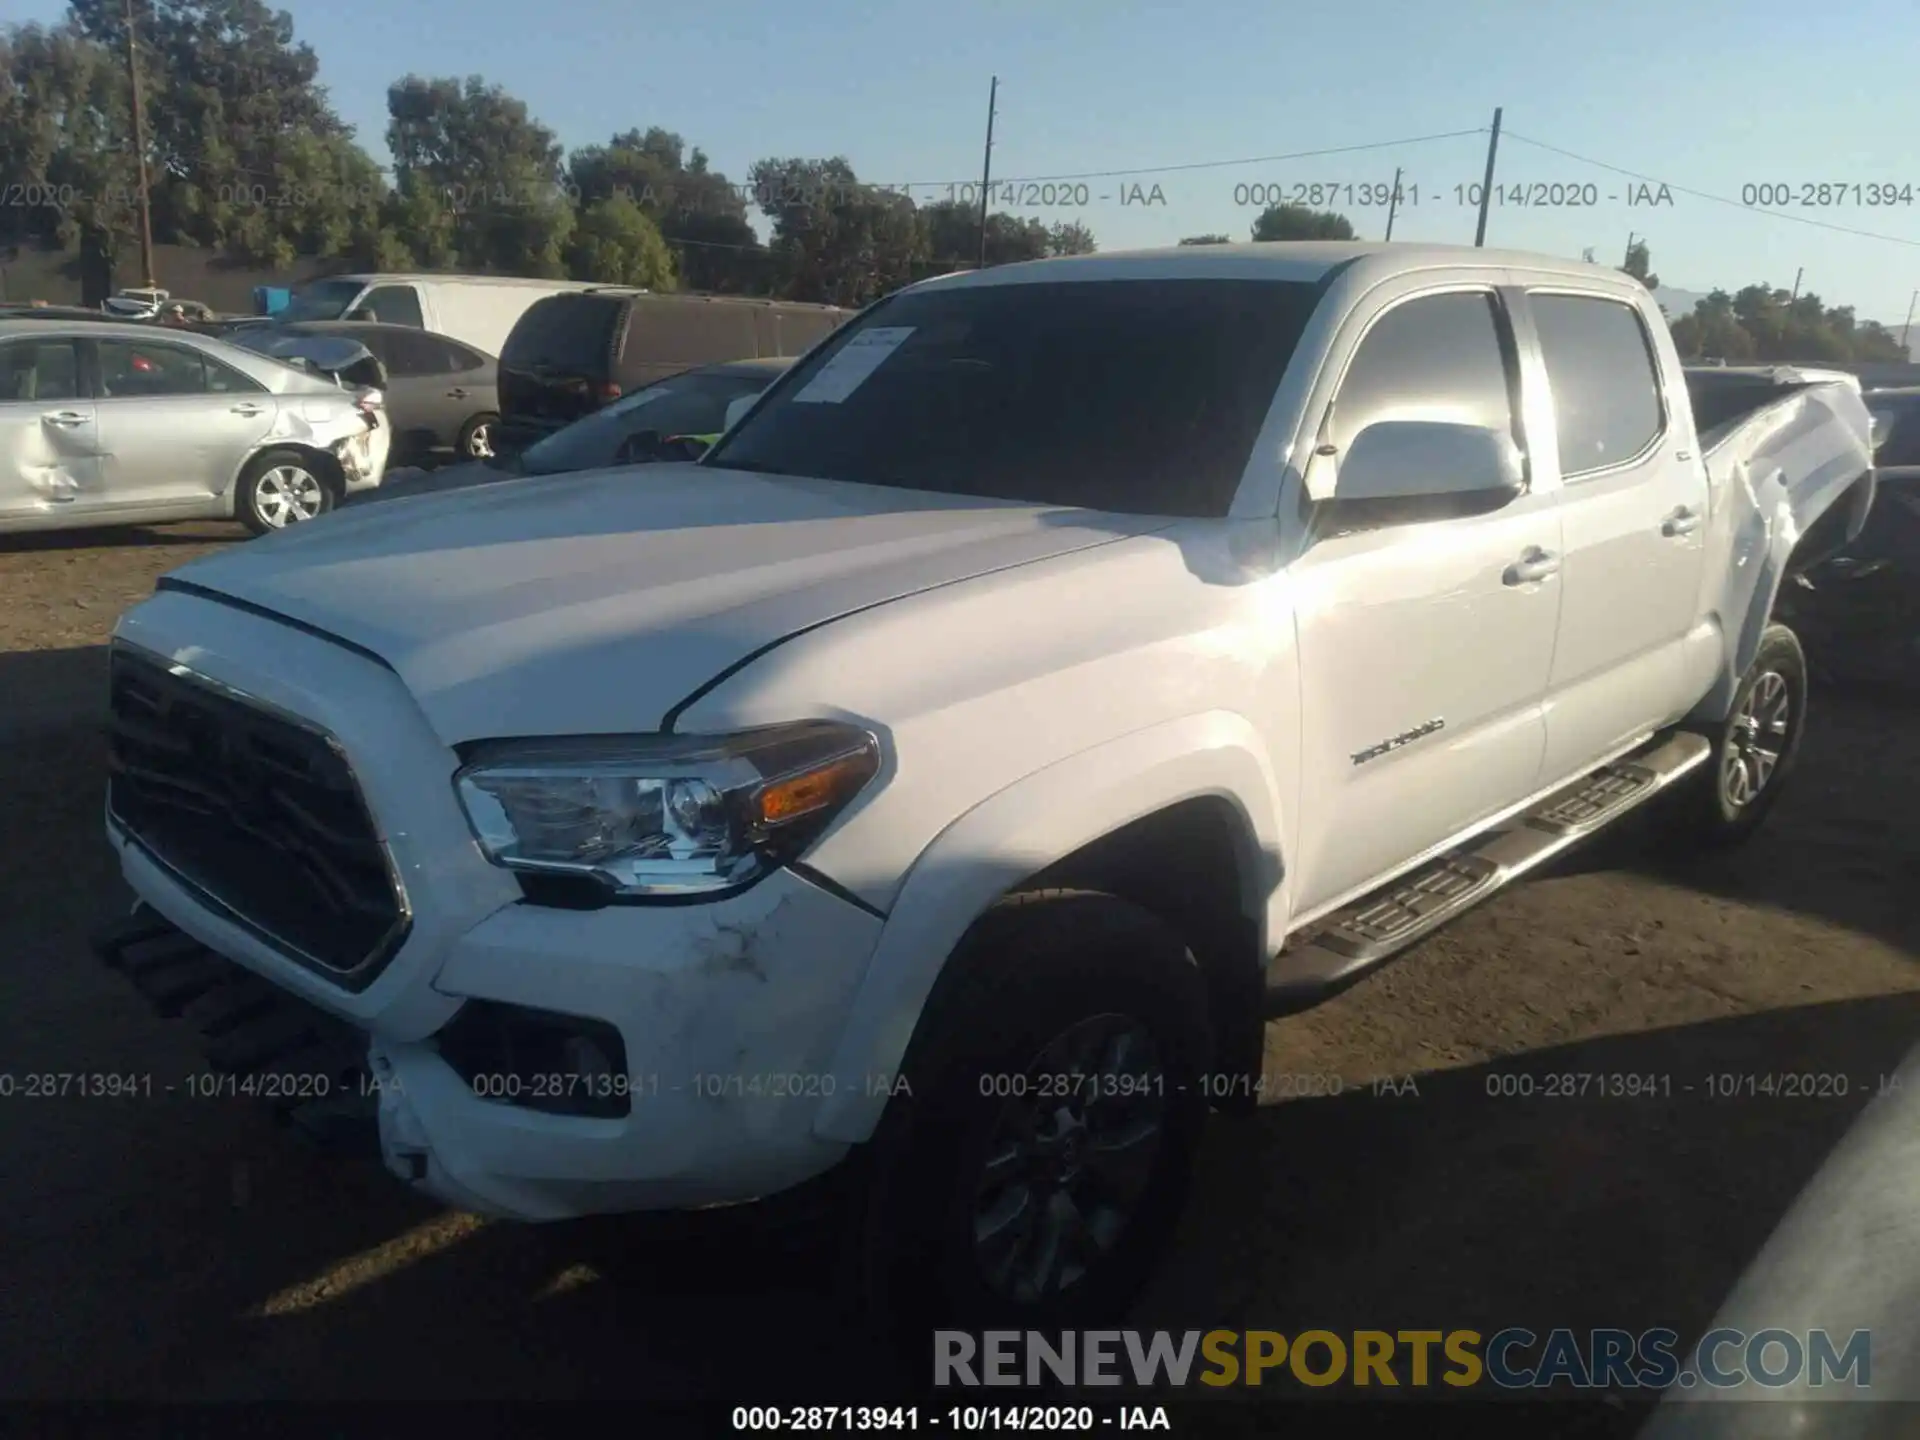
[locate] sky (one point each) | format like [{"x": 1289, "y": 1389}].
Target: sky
[{"x": 1707, "y": 97}]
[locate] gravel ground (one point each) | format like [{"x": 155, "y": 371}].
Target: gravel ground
[{"x": 179, "y": 1248}]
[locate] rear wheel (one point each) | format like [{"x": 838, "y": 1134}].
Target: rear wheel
[
  {"x": 1036, "y": 1169},
  {"x": 281, "y": 488},
  {"x": 1754, "y": 748},
  {"x": 476, "y": 437}
]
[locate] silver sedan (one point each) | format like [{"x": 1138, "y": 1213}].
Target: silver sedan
[{"x": 112, "y": 424}]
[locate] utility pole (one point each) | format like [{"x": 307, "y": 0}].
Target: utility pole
[
  {"x": 1796, "y": 283},
  {"x": 1631, "y": 237},
  {"x": 1908, "y": 325},
  {"x": 986, "y": 169},
  {"x": 1393, "y": 201},
  {"x": 1486, "y": 185},
  {"x": 140, "y": 156}
]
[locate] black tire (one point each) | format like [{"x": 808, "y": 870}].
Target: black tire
[
  {"x": 1035, "y": 968},
  {"x": 266, "y": 488},
  {"x": 1754, "y": 748},
  {"x": 477, "y": 429}
]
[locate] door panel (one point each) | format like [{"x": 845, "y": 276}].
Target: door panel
[
  {"x": 49, "y": 435},
  {"x": 175, "y": 427},
  {"x": 1423, "y": 654},
  {"x": 1633, "y": 512}
]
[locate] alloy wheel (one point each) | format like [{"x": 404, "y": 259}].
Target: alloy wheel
[
  {"x": 1756, "y": 739},
  {"x": 287, "y": 495}
]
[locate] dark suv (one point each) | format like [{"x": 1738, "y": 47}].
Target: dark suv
[{"x": 571, "y": 354}]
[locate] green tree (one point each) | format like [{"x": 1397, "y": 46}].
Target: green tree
[
  {"x": 1208, "y": 240},
  {"x": 616, "y": 244},
  {"x": 701, "y": 214},
  {"x": 1768, "y": 324},
  {"x": 65, "y": 142},
  {"x": 953, "y": 236},
  {"x": 1070, "y": 237},
  {"x": 497, "y": 169},
  {"x": 836, "y": 239},
  {"x": 1640, "y": 265},
  {"x": 247, "y": 152},
  {"x": 1298, "y": 222}
]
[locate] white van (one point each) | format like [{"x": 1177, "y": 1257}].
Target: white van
[{"x": 477, "y": 310}]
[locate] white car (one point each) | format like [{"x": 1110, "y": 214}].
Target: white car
[
  {"x": 1062, "y": 669},
  {"x": 110, "y": 424}
]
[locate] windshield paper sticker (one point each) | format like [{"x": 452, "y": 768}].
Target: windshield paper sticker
[{"x": 848, "y": 370}]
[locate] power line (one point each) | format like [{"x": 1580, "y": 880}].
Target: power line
[{"x": 1716, "y": 199}]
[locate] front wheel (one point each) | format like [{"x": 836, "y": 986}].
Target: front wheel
[
  {"x": 1032, "y": 1167},
  {"x": 281, "y": 488},
  {"x": 1754, "y": 748}
]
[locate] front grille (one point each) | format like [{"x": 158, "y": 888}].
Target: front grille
[{"x": 258, "y": 812}]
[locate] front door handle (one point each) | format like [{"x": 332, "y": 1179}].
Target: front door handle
[
  {"x": 66, "y": 418},
  {"x": 456, "y": 393},
  {"x": 247, "y": 407},
  {"x": 1536, "y": 564},
  {"x": 1683, "y": 521}
]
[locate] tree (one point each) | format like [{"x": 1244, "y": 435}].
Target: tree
[
  {"x": 1297, "y": 222},
  {"x": 836, "y": 239},
  {"x": 701, "y": 214},
  {"x": 953, "y": 236},
  {"x": 1765, "y": 323},
  {"x": 614, "y": 243},
  {"x": 497, "y": 170},
  {"x": 247, "y": 152},
  {"x": 65, "y": 121},
  {"x": 1208, "y": 240},
  {"x": 1639, "y": 265},
  {"x": 1070, "y": 237}
]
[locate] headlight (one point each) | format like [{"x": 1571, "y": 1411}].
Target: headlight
[{"x": 664, "y": 815}]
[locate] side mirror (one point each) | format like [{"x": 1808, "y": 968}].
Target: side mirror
[
  {"x": 639, "y": 447},
  {"x": 359, "y": 312},
  {"x": 1403, "y": 471}
]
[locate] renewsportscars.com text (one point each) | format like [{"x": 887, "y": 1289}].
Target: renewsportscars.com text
[{"x": 1509, "y": 1359}]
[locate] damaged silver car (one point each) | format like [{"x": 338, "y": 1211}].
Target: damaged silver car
[{"x": 110, "y": 424}]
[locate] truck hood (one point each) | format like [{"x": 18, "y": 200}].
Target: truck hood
[{"x": 596, "y": 603}]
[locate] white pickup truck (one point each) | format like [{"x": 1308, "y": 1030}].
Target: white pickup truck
[{"x": 1063, "y": 669}]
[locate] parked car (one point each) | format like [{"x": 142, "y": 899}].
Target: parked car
[
  {"x": 675, "y": 418},
  {"x": 105, "y": 424},
  {"x": 1056, "y": 673},
  {"x": 572, "y": 354},
  {"x": 440, "y": 394},
  {"x": 476, "y": 310}
]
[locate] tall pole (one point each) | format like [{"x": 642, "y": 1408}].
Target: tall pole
[
  {"x": 140, "y": 156},
  {"x": 986, "y": 169},
  {"x": 1631, "y": 237},
  {"x": 1908, "y": 325},
  {"x": 1796, "y": 283},
  {"x": 1486, "y": 185},
  {"x": 1393, "y": 201}
]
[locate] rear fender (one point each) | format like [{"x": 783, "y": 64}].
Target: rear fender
[{"x": 1791, "y": 485}]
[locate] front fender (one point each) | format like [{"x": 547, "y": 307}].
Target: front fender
[{"x": 1015, "y": 834}]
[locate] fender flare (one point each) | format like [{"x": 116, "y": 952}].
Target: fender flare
[{"x": 1018, "y": 832}]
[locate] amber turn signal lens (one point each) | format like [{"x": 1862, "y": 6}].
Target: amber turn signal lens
[{"x": 799, "y": 795}]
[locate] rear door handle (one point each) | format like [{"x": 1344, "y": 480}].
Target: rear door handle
[
  {"x": 247, "y": 407},
  {"x": 66, "y": 417},
  {"x": 456, "y": 393},
  {"x": 1536, "y": 564},
  {"x": 1683, "y": 521}
]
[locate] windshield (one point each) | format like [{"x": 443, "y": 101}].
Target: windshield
[
  {"x": 689, "y": 404},
  {"x": 322, "y": 300},
  {"x": 1136, "y": 396}
]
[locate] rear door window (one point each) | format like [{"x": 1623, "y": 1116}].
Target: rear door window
[
  {"x": 139, "y": 370},
  {"x": 1605, "y": 383},
  {"x": 36, "y": 370},
  {"x": 418, "y": 353}
]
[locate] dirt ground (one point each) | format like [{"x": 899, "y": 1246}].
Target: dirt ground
[{"x": 174, "y": 1248}]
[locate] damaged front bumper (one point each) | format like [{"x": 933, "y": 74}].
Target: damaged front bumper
[
  {"x": 363, "y": 456},
  {"x": 701, "y": 1040}
]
